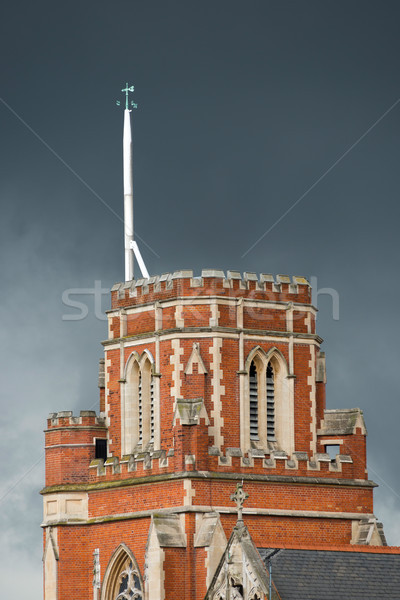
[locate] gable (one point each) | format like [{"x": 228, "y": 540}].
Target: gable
[{"x": 241, "y": 573}]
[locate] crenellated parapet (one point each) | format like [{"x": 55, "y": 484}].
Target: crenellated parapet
[
  {"x": 71, "y": 445},
  {"x": 66, "y": 418},
  {"x": 136, "y": 464},
  {"x": 299, "y": 464},
  {"x": 211, "y": 282},
  {"x": 176, "y": 301}
]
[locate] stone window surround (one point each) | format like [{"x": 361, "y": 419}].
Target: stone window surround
[
  {"x": 121, "y": 557},
  {"x": 144, "y": 366},
  {"x": 284, "y": 402}
]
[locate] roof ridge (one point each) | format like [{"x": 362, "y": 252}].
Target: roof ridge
[{"x": 344, "y": 548}]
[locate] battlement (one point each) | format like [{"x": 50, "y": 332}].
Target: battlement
[
  {"x": 211, "y": 282},
  {"x": 277, "y": 463},
  {"x": 65, "y": 418},
  {"x": 70, "y": 445}
]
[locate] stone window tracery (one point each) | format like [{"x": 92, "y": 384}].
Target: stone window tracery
[
  {"x": 122, "y": 580},
  {"x": 129, "y": 583}
]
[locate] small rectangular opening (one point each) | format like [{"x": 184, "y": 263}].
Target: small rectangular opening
[
  {"x": 101, "y": 448},
  {"x": 332, "y": 450}
]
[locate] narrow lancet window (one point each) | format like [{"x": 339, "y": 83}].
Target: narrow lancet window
[
  {"x": 270, "y": 404},
  {"x": 140, "y": 399},
  {"x": 152, "y": 410},
  {"x": 140, "y": 407},
  {"x": 253, "y": 383}
]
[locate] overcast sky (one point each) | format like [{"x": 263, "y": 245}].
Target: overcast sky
[{"x": 261, "y": 117}]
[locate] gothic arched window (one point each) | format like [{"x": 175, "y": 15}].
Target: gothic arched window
[
  {"x": 270, "y": 403},
  {"x": 253, "y": 387},
  {"x": 146, "y": 404},
  {"x": 139, "y": 403},
  {"x": 262, "y": 400},
  {"x": 122, "y": 580},
  {"x": 268, "y": 417},
  {"x": 128, "y": 584}
]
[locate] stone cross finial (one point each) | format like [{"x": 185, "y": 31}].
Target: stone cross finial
[{"x": 239, "y": 497}]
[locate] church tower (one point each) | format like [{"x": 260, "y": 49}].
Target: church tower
[{"x": 206, "y": 382}]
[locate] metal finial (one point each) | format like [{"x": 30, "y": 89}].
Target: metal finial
[
  {"x": 128, "y": 102},
  {"x": 239, "y": 497}
]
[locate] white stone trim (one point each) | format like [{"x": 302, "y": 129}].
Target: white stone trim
[
  {"x": 202, "y": 508},
  {"x": 189, "y": 491},
  {"x": 289, "y": 317},
  {"x": 69, "y": 445},
  {"x": 215, "y": 430},
  {"x": 154, "y": 573},
  {"x": 107, "y": 366},
  {"x": 175, "y": 360},
  {"x": 331, "y": 442},
  {"x": 308, "y": 321},
  {"x": 179, "y": 320},
  {"x": 299, "y": 339},
  {"x": 195, "y": 359},
  {"x": 242, "y": 395},
  {"x": 50, "y": 563},
  {"x": 65, "y": 506},
  {"x": 110, "y": 333},
  {"x": 123, "y": 323},
  {"x": 157, "y": 403},
  {"x": 217, "y": 545},
  {"x": 313, "y": 415},
  {"x": 158, "y": 316},
  {"x": 223, "y": 300},
  {"x": 215, "y": 315}
]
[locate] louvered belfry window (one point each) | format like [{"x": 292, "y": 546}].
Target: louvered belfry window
[
  {"x": 140, "y": 407},
  {"x": 253, "y": 382},
  {"x": 152, "y": 410},
  {"x": 270, "y": 403}
]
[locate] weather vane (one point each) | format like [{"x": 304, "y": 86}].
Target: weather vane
[
  {"x": 128, "y": 102},
  {"x": 239, "y": 497}
]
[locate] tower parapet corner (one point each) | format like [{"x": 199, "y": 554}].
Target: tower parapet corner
[{"x": 66, "y": 418}]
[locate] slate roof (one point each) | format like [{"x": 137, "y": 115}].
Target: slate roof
[{"x": 331, "y": 575}]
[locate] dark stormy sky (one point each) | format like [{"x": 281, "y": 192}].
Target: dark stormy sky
[{"x": 277, "y": 120}]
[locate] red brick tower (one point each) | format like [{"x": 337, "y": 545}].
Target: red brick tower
[{"x": 206, "y": 381}]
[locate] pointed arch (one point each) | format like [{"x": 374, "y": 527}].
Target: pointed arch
[
  {"x": 130, "y": 413},
  {"x": 257, "y": 353},
  {"x": 265, "y": 357},
  {"x": 122, "y": 579},
  {"x": 139, "y": 402},
  {"x": 140, "y": 359},
  {"x": 147, "y": 355},
  {"x": 146, "y": 402},
  {"x": 268, "y": 418}
]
